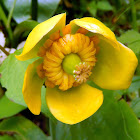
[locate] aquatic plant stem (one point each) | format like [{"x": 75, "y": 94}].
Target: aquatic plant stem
[
  {"x": 10, "y": 14},
  {"x": 134, "y": 18},
  {"x": 1, "y": 48},
  {"x": 4, "y": 19}
]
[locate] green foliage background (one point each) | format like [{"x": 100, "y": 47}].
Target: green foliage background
[{"x": 118, "y": 117}]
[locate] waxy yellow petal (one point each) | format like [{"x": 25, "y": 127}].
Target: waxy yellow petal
[
  {"x": 40, "y": 34},
  {"x": 114, "y": 68},
  {"x": 74, "y": 105},
  {"x": 32, "y": 88},
  {"x": 95, "y": 26}
]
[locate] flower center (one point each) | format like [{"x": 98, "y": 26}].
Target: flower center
[
  {"x": 69, "y": 63},
  {"x": 68, "y": 60}
]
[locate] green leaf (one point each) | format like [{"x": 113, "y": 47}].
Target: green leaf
[
  {"x": 129, "y": 37},
  {"x": 113, "y": 121},
  {"x": 12, "y": 71},
  {"x": 9, "y": 108},
  {"x": 23, "y": 127},
  {"x": 132, "y": 39},
  {"x": 104, "y": 5},
  {"x": 21, "y": 10},
  {"x": 135, "y": 105},
  {"x": 12, "y": 75},
  {"x": 46, "y": 9}
]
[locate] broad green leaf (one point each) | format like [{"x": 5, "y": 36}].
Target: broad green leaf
[
  {"x": 9, "y": 108},
  {"x": 113, "y": 121},
  {"x": 12, "y": 71},
  {"x": 46, "y": 9},
  {"x": 23, "y": 127},
  {"x": 21, "y": 11},
  {"x": 12, "y": 75},
  {"x": 132, "y": 39},
  {"x": 135, "y": 105},
  {"x": 104, "y": 5},
  {"x": 129, "y": 37}
]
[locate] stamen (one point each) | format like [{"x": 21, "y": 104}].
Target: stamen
[
  {"x": 66, "y": 30},
  {"x": 48, "y": 43},
  {"x": 55, "y": 36},
  {"x": 42, "y": 51},
  {"x": 97, "y": 49},
  {"x": 41, "y": 71},
  {"x": 95, "y": 39},
  {"x": 82, "y": 73},
  {"x": 82, "y": 31},
  {"x": 56, "y": 49},
  {"x": 49, "y": 84}
]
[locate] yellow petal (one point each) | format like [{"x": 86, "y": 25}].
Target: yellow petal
[
  {"x": 95, "y": 26},
  {"x": 114, "y": 68},
  {"x": 40, "y": 34},
  {"x": 74, "y": 105},
  {"x": 32, "y": 88}
]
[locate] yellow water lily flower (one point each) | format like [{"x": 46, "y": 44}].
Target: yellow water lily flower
[{"x": 69, "y": 56}]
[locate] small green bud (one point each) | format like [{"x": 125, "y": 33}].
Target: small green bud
[{"x": 69, "y": 63}]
